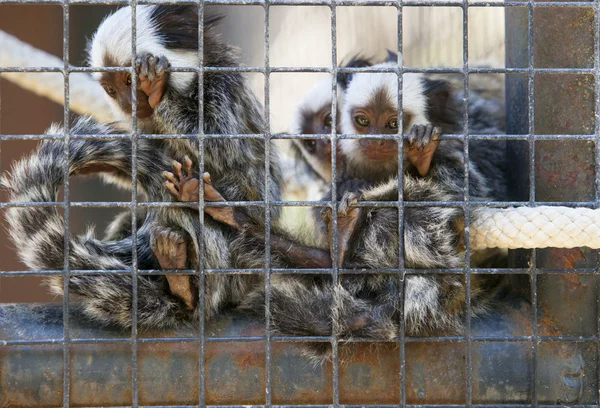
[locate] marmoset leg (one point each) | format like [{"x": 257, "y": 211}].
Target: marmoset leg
[
  {"x": 348, "y": 218},
  {"x": 170, "y": 248},
  {"x": 185, "y": 188}
]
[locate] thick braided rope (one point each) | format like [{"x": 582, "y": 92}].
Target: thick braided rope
[
  {"x": 85, "y": 95},
  {"x": 537, "y": 227},
  {"x": 522, "y": 227}
]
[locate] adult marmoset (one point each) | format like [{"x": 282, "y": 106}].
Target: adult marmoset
[{"x": 167, "y": 103}]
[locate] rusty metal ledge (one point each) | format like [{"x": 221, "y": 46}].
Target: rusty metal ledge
[{"x": 31, "y": 374}]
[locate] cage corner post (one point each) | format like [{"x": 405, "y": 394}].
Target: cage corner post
[{"x": 556, "y": 74}]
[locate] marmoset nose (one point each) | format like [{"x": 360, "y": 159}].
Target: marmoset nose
[{"x": 379, "y": 149}]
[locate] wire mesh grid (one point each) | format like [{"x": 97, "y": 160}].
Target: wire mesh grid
[{"x": 466, "y": 205}]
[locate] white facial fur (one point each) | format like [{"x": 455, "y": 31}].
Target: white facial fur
[
  {"x": 360, "y": 92},
  {"x": 318, "y": 97},
  {"x": 313, "y": 101},
  {"x": 113, "y": 38}
]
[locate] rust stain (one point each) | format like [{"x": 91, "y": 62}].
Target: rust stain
[
  {"x": 235, "y": 372},
  {"x": 547, "y": 326},
  {"x": 566, "y": 258},
  {"x": 572, "y": 281},
  {"x": 156, "y": 363},
  {"x": 435, "y": 373},
  {"x": 296, "y": 380},
  {"x": 369, "y": 374},
  {"x": 101, "y": 374}
]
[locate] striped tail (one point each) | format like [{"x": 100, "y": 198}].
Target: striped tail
[{"x": 38, "y": 232}]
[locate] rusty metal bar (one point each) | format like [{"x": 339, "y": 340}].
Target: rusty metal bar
[
  {"x": 335, "y": 384},
  {"x": 531, "y": 131},
  {"x": 558, "y": 169},
  {"x": 201, "y": 258},
  {"x": 449, "y": 136},
  {"x": 235, "y": 370},
  {"x": 328, "y": 3},
  {"x": 401, "y": 206},
  {"x": 467, "y": 210},
  {"x": 236, "y": 360},
  {"x": 250, "y": 69},
  {"x": 267, "y": 268},
  {"x": 133, "y": 210},
  {"x": 66, "y": 271}
]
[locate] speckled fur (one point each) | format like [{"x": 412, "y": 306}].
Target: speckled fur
[
  {"x": 237, "y": 167},
  {"x": 364, "y": 306},
  {"x": 369, "y": 305}
]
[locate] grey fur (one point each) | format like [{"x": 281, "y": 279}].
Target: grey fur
[
  {"x": 369, "y": 305},
  {"x": 237, "y": 167},
  {"x": 366, "y": 306}
]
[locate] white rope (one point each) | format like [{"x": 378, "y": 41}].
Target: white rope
[
  {"x": 85, "y": 95},
  {"x": 537, "y": 227},
  {"x": 522, "y": 227}
]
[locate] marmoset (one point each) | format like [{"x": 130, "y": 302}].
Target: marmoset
[{"x": 167, "y": 103}]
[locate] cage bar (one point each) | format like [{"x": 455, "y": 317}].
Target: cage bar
[
  {"x": 239, "y": 361},
  {"x": 431, "y": 367}
]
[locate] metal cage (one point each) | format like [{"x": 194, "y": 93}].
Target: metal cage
[{"x": 542, "y": 353}]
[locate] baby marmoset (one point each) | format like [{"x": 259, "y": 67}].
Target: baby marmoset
[
  {"x": 368, "y": 305},
  {"x": 167, "y": 103},
  {"x": 312, "y": 116},
  {"x": 431, "y": 302},
  {"x": 367, "y": 105}
]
